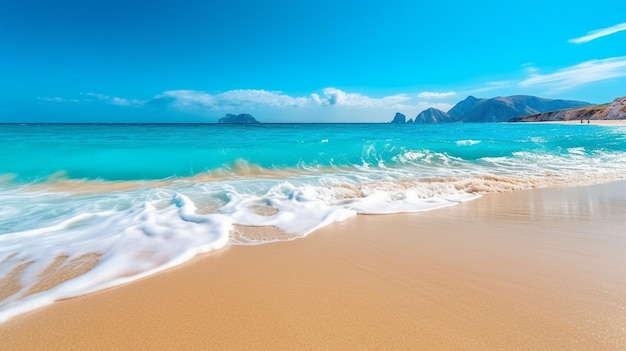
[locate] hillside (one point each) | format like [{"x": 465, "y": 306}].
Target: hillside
[
  {"x": 612, "y": 111},
  {"x": 432, "y": 115},
  {"x": 502, "y": 109},
  {"x": 498, "y": 109}
]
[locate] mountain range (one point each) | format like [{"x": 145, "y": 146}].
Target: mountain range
[{"x": 499, "y": 109}]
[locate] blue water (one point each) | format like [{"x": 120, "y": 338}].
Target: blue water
[
  {"x": 142, "y": 198},
  {"x": 150, "y": 152}
]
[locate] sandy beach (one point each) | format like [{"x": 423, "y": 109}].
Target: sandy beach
[
  {"x": 538, "y": 269},
  {"x": 289, "y": 175}
]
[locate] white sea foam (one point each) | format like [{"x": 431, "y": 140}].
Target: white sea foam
[
  {"x": 132, "y": 232},
  {"x": 409, "y": 156},
  {"x": 130, "y": 243},
  {"x": 299, "y": 210},
  {"x": 538, "y": 140},
  {"x": 467, "y": 142},
  {"x": 576, "y": 150}
]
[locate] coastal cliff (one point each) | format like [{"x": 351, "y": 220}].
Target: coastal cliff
[{"x": 613, "y": 111}]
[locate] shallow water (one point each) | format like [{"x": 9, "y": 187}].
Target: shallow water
[{"x": 137, "y": 199}]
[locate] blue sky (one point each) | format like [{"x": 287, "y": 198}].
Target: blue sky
[{"x": 299, "y": 61}]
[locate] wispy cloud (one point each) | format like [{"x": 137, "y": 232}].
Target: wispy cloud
[
  {"x": 57, "y": 99},
  {"x": 242, "y": 98},
  {"x": 114, "y": 100},
  {"x": 435, "y": 95},
  {"x": 193, "y": 99},
  {"x": 251, "y": 99},
  {"x": 599, "y": 33},
  {"x": 489, "y": 86},
  {"x": 581, "y": 74},
  {"x": 260, "y": 97},
  {"x": 337, "y": 97},
  {"x": 183, "y": 99}
]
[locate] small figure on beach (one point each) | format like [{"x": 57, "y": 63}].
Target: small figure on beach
[
  {"x": 581, "y": 121},
  {"x": 588, "y": 122}
]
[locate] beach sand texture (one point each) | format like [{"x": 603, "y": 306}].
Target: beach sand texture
[{"x": 538, "y": 269}]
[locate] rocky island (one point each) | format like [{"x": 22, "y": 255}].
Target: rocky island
[
  {"x": 399, "y": 118},
  {"x": 243, "y": 118}
]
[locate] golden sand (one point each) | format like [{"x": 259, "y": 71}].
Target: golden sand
[{"x": 541, "y": 269}]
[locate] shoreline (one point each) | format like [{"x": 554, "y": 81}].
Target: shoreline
[
  {"x": 600, "y": 122},
  {"x": 537, "y": 268}
]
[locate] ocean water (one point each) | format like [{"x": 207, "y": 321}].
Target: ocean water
[{"x": 101, "y": 205}]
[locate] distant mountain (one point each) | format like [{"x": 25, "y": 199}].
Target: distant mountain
[
  {"x": 612, "y": 111},
  {"x": 433, "y": 115},
  {"x": 243, "y": 118},
  {"x": 461, "y": 107},
  {"x": 399, "y": 118},
  {"x": 499, "y": 109},
  {"x": 502, "y": 109}
]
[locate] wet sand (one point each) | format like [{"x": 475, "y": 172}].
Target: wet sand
[{"x": 539, "y": 269}]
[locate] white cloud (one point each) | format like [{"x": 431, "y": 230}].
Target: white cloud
[
  {"x": 114, "y": 100},
  {"x": 595, "y": 34},
  {"x": 97, "y": 96},
  {"x": 230, "y": 99},
  {"x": 125, "y": 102},
  {"x": 583, "y": 73},
  {"x": 435, "y": 95},
  {"x": 263, "y": 98},
  {"x": 337, "y": 97},
  {"x": 186, "y": 98},
  {"x": 334, "y": 102},
  {"x": 57, "y": 99},
  {"x": 260, "y": 97}
]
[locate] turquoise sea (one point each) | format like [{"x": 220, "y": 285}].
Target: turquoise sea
[{"x": 128, "y": 200}]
